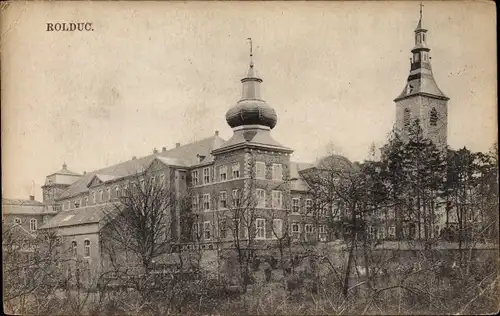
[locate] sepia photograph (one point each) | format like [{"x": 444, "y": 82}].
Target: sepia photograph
[{"x": 249, "y": 158}]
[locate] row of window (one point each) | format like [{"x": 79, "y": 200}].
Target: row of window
[
  {"x": 33, "y": 223},
  {"x": 108, "y": 194},
  {"x": 277, "y": 200},
  {"x": 380, "y": 232},
  {"x": 433, "y": 117},
  {"x": 223, "y": 173},
  {"x": 206, "y": 231},
  {"x": 86, "y": 248}
]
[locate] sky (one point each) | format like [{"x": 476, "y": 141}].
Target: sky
[{"x": 152, "y": 74}]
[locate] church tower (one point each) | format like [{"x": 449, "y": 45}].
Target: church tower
[{"x": 421, "y": 98}]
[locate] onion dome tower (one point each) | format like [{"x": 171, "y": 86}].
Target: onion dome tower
[
  {"x": 421, "y": 97},
  {"x": 251, "y": 109},
  {"x": 251, "y": 118}
]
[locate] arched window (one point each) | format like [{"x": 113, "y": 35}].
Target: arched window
[
  {"x": 74, "y": 248},
  {"x": 433, "y": 117},
  {"x": 86, "y": 248},
  {"x": 33, "y": 224},
  {"x": 117, "y": 190},
  {"x": 406, "y": 118},
  {"x": 101, "y": 195}
]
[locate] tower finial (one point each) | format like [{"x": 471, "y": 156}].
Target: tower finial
[
  {"x": 251, "y": 51},
  {"x": 421, "y": 7}
]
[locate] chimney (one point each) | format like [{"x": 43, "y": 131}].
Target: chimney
[
  {"x": 64, "y": 166},
  {"x": 134, "y": 157},
  {"x": 155, "y": 151},
  {"x": 164, "y": 149},
  {"x": 177, "y": 145},
  {"x": 85, "y": 172},
  {"x": 32, "y": 197},
  {"x": 216, "y": 133}
]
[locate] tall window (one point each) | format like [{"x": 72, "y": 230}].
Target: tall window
[
  {"x": 260, "y": 170},
  {"x": 406, "y": 118},
  {"x": 196, "y": 231},
  {"x": 295, "y": 205},
  {"x": 223, "y": 229},
  {"x": 308, "y": 228},
  {"x": 124, "y": 191},
  {"x": 33, "y": 224},
  {"x": 236, "y": 198},
  {"x": 195, "y": 202},
  {"x": 433, "y": 117},
  {"x": 277, "y": 171},
  {"x": 162, "y": 180},
  {"x": 277, "y": 199},
  {"x": 295, "y": 228},
  {"x": 277, "y": 228},
  {"x": 194, "y": 177},
  {"x": 85, "y": 201},
  {"x": 392, "y": 232},
  {"x": 93, "y": 197},
  {"x": 206, "y": 201},
  {"x": 308, "y": 206},
  {"x": 222, "y": 173},
  {"x": 261, "y": 198},
  {"x": 236, "y": 170},
  {"x": 260, "y": 228},
  {"x": 86, "y": 248},
  {"x": 101, "y": 195},
  {"x": 74, "y": 249},
  {"x": 117, "y": 191},
  {"x": 322, "y": 232},
  {"x": 222, "y": 199},
  {"x": 108, "y": 192},
  {"x": 207, "y": 231},
  {"x": 206, "y": 175}
]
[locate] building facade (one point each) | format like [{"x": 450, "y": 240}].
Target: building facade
[{"x": 247, "y": 181}]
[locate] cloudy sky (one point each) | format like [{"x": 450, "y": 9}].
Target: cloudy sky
[{"x": 153, "y": 74}]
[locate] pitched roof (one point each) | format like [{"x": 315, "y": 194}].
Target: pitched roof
[
  {"x": 64, "y": 171},
  {"x": 298, "y": 183},
  {"x": 253, "y": 136},
  {"x": 186, "y": 155},
  {"x": 20, "y": 206},
  {"x": 24, "y": 202},
  {"x": 80, "y": 216}
]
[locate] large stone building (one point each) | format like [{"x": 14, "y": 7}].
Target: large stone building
[{"x": 220, "y": 175}]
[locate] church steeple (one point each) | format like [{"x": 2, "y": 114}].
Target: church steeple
[
  {"x": 421, "y": 98},
  {"x": 421, "y": 80}
]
